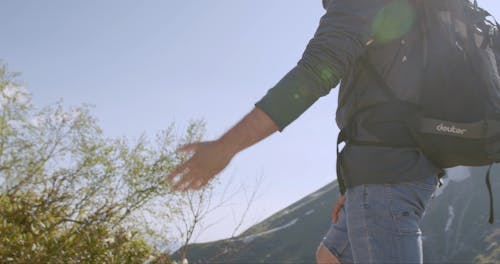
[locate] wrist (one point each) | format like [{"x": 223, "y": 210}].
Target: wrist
[
  {"x": 251, "y": 129},
  {"x": 228, "y": 146}
]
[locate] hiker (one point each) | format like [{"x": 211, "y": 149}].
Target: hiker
[{"x": 385, "y": 180}]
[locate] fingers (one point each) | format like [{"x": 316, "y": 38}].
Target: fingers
[
  {"x": 193, "y": 180},
  {"x": 182, "y": 170},
  {"x": 177, "y": 171},
  {"x": 196, "y": 172},
  {"x": 336, "y": 213},
  {"x": 337, "y": 209},
  {"x": 189, "y": 179},
  {"x": 184, "y": 181},
  {"x": 197, "y": 184}
]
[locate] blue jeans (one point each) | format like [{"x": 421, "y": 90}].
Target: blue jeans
[{"x": 380, "y": 223}]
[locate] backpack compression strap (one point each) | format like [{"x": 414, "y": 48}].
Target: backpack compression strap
[
  {"x": 341, "y": 138},
  {"x": 488, "y": 185}
]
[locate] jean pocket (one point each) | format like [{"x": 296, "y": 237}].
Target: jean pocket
[
  {"x": 406, "y": 221},
  {"x": 408, "y": 202}
]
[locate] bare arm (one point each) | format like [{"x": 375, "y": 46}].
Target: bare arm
[{"x": 211, "y": 157}]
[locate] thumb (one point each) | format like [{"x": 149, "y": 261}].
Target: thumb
[{"x": 189, "y": 147}]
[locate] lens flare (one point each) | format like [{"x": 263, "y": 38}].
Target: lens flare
[{"x": 393, "y": 21}]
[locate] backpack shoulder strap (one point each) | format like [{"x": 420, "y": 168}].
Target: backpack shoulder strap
[
  {"x": 422, "y": 19},
  {"x": 366, "y": 63}
]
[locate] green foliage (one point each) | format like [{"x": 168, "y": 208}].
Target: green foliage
[
  {"x": 68, "y": 194},
  {"x": 33, "y": 232}
]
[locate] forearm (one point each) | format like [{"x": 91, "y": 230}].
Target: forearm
[
  {"x": 254, "y": 127},
  {"x": 294, "y": 94}
]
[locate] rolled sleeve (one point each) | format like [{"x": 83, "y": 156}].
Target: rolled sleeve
[{"x": 339, "y": 40}]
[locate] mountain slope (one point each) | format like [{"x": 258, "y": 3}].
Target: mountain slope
[
  {"x": 455, "y": 227},
  {"x": 456, "y": 224},
  {"x": 289, "y": 236}
]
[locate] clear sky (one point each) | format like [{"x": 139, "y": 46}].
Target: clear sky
[{"x": 147, "y": 64}]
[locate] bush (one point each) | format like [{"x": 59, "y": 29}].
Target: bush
[{"x": 68, "y": 194}]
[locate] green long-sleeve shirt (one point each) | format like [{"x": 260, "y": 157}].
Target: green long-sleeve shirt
[{"x": 340, "y": 39}]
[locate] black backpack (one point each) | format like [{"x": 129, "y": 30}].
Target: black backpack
[
  {"x": 460, "y": 99},
  {"x": 457, "y": 118}
]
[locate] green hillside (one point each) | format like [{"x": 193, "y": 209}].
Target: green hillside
[
  {"x": 455, "y": 226},
  {"x": 289, "y": 236}
]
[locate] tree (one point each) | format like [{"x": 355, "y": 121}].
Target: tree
[
  {"x": 68, "y": 193},
  {"x": 198, "y": 205}
]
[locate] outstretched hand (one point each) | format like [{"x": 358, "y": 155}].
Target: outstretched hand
[
  {"x": 211, "y": 157},
  {"x": 208, "y": 159}
]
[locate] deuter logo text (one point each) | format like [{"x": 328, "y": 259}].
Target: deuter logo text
[{"x": 453, "y": 130}]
